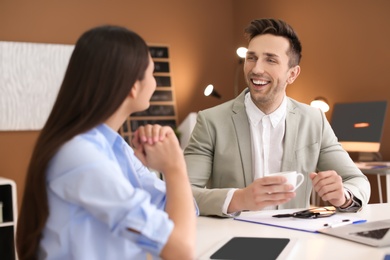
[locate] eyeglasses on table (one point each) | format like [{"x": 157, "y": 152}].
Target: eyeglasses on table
[{"x": 317, "y": 212}]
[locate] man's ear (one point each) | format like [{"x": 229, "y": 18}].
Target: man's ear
[{"x": 294, "y": 72}]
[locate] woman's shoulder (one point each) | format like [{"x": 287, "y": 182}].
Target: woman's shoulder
[{"x": 84, "y": 149}]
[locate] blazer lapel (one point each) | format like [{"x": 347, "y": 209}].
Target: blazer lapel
[
  {"x": 241, "y": 124},
  {"x": 292, "y": 128}
]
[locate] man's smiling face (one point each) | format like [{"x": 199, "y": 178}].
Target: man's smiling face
[{"x": 267, "y": 72}]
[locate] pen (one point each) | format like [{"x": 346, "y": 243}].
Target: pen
[
  {"x": 379, "y": 166},
  {"x": 338, "y": 224},
  {"x": 282, "y": 215},
  {"x": 359, "y": 221}
]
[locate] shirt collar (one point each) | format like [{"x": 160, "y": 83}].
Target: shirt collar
[
  {"x": 255, "y": 114},
  {"x": 108, "y": 133}
]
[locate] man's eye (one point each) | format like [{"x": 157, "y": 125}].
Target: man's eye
[{"x": 250, "y": 58}]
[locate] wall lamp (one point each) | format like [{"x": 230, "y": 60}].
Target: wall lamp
[
  {"x": 321, "y": 103},
  {"x": 241, "y": 52},
  {"x": 210, "y": 91}
]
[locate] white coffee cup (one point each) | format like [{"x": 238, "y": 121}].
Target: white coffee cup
[{"x": 294, "y": 178}]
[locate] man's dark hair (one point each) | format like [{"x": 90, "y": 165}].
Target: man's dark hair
[{"x": 278, "y": 28}]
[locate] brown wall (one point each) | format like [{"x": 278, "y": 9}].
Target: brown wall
[{"x": 345, "y": 48}]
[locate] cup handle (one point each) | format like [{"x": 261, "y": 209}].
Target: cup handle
[{"x": 300, "y": 175}]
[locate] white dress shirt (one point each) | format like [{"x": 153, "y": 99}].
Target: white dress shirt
[{"x": 267, "y": 133}]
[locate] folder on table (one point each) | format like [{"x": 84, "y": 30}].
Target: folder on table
[{"x": 302, "y": 224}]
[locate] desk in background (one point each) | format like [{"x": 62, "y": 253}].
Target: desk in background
[
  {"x": 211, "y": 231},
  {"x": 379, "y": 169}
]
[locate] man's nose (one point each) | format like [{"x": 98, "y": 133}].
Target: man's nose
[{"x": 258, "y": 68}]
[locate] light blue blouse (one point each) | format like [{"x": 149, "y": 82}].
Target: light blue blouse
[{"x": 97, "y": 190}]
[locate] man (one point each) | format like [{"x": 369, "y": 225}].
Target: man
[{"x": 236, "y": 145}]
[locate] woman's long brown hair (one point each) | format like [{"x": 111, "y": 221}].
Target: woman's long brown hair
[{"x": 105, "y": 64}]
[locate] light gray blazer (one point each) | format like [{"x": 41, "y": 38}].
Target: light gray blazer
[{"x": 219, "y": 156}]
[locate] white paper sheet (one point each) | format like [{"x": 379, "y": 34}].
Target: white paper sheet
[{"x": 308, "y": 225}]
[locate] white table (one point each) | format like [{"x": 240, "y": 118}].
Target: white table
[{"x": 211, "y": 231}]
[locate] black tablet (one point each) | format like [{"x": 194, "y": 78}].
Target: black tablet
[{"x": 246, "y": 248}]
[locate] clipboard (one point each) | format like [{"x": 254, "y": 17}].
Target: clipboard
[{"x": 307, "y": 225}]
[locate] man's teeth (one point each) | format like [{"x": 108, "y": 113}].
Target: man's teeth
[{"x": 259, "y": 82}]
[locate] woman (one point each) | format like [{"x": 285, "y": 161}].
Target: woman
[{"x": 88, "y": 194}]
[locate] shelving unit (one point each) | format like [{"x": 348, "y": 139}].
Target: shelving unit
[
  {"x": 8, "y": 226},
  {"x": 162, "y": 108}
]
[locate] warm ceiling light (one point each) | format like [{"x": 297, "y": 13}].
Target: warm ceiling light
[{"x": 320, "y": 103}]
